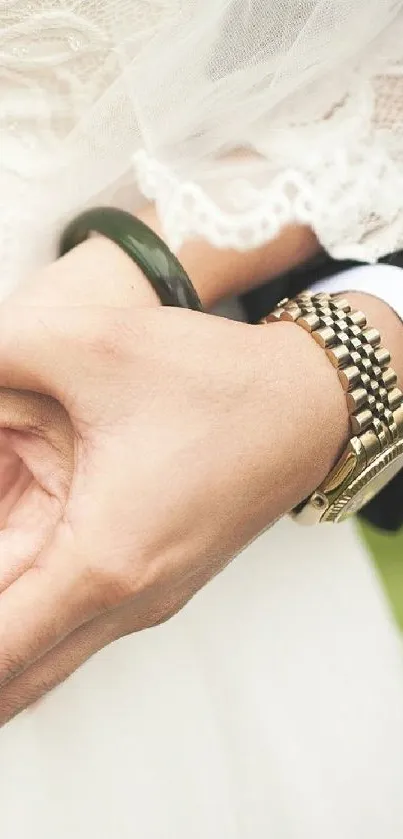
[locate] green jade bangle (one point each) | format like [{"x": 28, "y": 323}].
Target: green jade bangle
[{"x": 161, "y": 267}]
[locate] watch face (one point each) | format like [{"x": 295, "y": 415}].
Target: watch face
[{"x": 370, "y": 483}]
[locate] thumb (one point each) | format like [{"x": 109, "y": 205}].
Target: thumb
[{"x": 49, "y": 350}]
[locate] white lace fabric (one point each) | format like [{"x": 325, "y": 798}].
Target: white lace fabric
[{"x": 235, "y": 116}]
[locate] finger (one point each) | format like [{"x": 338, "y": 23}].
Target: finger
[
  {"x": 55, "y": 667},
  {"x": 40, "y": 609},
  {"x": 24, "y": 410},
  {"x": 50, "y": 350},
  {"x": 29, "y": 528},
  {"x": 14, "y": 478},
  {"x": 68, "y": 656},
  {"x": 36, "y": 463}
]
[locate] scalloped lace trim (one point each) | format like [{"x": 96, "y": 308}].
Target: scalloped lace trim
[{"x": 336, "y": 198}]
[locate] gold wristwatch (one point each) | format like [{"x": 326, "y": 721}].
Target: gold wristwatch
[{"x": 374, "y": 453}]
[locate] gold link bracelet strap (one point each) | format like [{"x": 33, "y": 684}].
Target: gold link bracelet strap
[{"x": 374, "y": 401}]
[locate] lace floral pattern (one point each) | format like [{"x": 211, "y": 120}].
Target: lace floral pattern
[
  {"x": 236, "y": 116},
  {"x": 350, "y": 195},
  {"x": 57, "y": 61},
  {"x": 54, "y": 62}
]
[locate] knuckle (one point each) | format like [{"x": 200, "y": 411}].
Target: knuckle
[
  {"x": 117, "y": 581},
  {"x": 151, "y": 615},
  {"x": 11, "y": 665}
]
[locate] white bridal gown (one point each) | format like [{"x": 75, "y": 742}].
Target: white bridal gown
[{"x": 272, "y": 706}]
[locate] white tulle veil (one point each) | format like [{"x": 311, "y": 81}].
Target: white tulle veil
[{"x": 235, "y": 116}]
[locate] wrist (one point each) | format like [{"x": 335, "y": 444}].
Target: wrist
[
  {"x": 382, "y": 317},
  {"x": 219, "y": 273},
  {"x": 98, "y": 270},
  {"x": 311, "y": 420},
  {"x": 304, "y": 418}
]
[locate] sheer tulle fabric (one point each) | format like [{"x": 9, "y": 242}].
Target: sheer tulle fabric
[{"x": 235, "y": 116}]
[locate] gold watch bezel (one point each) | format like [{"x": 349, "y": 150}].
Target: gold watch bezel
[{"x": 333, "y": 501}]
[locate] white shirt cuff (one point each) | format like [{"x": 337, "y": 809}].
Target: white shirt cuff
[{"x": 382, "y": 281}]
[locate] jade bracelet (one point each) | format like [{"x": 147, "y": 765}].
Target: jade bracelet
[{"x": 159, "y": 265}]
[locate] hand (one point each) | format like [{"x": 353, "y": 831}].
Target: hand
[
  {"x": 177, "y": 424},
  {"x": 96, "y": 273},
  {"x": 236, "y": 430},
  {"x": 142, "y": 467}
]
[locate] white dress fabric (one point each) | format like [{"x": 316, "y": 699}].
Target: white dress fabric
[
  {"x": 235, "y": 116},
  {"x": 272, "y": 706}
]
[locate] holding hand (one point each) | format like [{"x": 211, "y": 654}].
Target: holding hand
[
  {"x": 145, "y": 447},
  {"x": 169, "y": 466}
]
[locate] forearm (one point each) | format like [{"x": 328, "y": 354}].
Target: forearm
[{"x": 222, "y": 273}]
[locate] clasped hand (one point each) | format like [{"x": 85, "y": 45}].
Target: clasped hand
[
  {"x": 135, "y": 465},
  {"x": 141, "y": 449}
]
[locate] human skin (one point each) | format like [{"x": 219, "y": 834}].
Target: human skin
[{"x": 149, "y": 446}]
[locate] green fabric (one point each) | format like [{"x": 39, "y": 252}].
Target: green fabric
[{"x": 387, "y": 551}]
